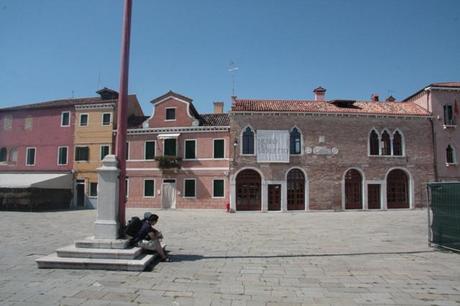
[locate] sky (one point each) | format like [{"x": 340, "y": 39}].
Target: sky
[{"x": 56, "y": 49}]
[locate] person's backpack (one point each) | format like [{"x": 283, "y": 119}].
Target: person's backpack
[{"x": 133, "y": 226}]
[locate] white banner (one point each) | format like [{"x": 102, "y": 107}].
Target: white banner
[{"x": 272, "y": 146}]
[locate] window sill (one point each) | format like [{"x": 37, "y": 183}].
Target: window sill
[
  {"x": 149, "y": 197},
  {"x": 193, "y": 198},
  {"x": 451, "y": 164},
  {"x": 387, "y": 156},
  {"x": 449, "y": 126}
]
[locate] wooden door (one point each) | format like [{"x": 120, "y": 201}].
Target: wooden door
[
  {"x": 373, "y": 196},
  {"x": 353, "y": 190},
  {"x": 168, "y": 195},
  {"x": 274, "y": 197},
  {"x": 248, "y": 190}
]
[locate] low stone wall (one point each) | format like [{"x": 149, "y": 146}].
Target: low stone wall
[{"x": 34, "y": 199}]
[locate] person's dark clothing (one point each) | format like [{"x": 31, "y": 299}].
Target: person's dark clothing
[{"x": 143, "y": 233}]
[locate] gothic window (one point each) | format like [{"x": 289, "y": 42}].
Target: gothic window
[
  {"x": 295, "y": 141},
  {"x": 397, "y": 144},
  {"x": 374, "y": 143},
  {"x": 448, "y": 115},
  {"x": 386, "y": 143},
  {"x": 248, "y": 141},
  {"x": 450, "y": 155}
]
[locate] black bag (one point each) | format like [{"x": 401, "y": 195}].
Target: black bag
[{"x": 133, "y": 226}]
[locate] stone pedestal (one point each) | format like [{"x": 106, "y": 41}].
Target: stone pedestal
[{"x": 107, "y": 202}]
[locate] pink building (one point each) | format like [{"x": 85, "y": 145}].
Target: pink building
[
  {"x": 442, "y": 100},
  {"x": 178, "y": 158}
]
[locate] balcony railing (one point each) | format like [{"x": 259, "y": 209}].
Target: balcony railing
[{"x": 169, "y": 162}]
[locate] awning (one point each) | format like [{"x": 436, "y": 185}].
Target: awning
[
  {"x": 168, "y": 136},
  {"x": 36, "y": 180}
]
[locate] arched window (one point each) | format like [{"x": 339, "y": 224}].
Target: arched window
[
  {"x": 295, "y": 142},
  {"x": 3, "y": 154},
  {"x": 374, "y": 143},
  {"x": 450, "y": 155},
  {"x": 386, "y": 143},
  {"x": 397, "y": 144},
  {"x": 248, "y": 141}
]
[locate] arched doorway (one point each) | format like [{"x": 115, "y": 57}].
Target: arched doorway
[
  {"x": 248, "y": 190},
  {"x": 397, "y": 189},
  {"x": 295, "y": 190},
  {"x": 353, "y": 190}
]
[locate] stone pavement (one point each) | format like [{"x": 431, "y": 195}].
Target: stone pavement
[{"x": 319, "y": 258}]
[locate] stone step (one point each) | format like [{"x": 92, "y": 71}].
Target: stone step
[
  {"x": 53, "y": 261},
  {"x": 93, "y": 243},
  {"x": 76, "y": 252}
]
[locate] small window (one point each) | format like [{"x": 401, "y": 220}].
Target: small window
[
  {"x": 170, "y": 114},
  {"x": 93, "y": 189},
  {"x": 83, "y": 119},
  {"x": 374, "y": 147},
  {"x": 82, "y": 153},
  {"x": 295, "y": 142},
  {"x": 13, "y": 155},
  {"x": 218, "y": 148},
  {"x": 386, "y": 143},
  {"x": 65, "y": 119},
  {"x": 7, "y": 122},
  {"x": 106, "y": 118},
  {"x": 28, "y": 122},
  {"x": 218, "y": 189},
  {"x": 62, "y": 156},
  {"x": 149, "y": 189},
  {"x": 30, "y": 156},
  {"x": 3, "y": 154},
  {"x": 105, "y": 150},
  {"x": 127, "y": 151},
  {"x": 448, "y": 115},
  {"x": 189, "y": 188},
  {"x": 190, "y": 149},
  {"x": 170, "y": 147},
  {"x": 149, "y": 151},
  {"x": 248, "y": 141},
  {"x": 450, "y": 155}
]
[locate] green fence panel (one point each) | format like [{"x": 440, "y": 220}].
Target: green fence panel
[{"x": 445, "y": 211}]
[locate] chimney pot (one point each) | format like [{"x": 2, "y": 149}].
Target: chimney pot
[
  {"x": 390, "y": 99},
  {"x": 320, "y": 93},
  {"x": 375, "y": 97},
  {"x": 218, "y": 107}
]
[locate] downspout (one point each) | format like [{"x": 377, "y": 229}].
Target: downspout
[{"x": 433, "y": 139}]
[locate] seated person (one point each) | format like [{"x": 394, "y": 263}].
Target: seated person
[{"x": 148, "y": 237}]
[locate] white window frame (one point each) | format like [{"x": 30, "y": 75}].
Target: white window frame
[
  {"x": 62, "y": 119},
  {"x": 403, "y": 143},
  {"x": 102, "y": 119},
  {"x": 75, "y": 154},
  {"x": 66, "y": 157},
  {"x": 175, "y": 113},
  {"x": 127, "y": 187},
  {"x": 301, "y": 141},
  {"x": 27, "y": 156},
  {"x": 185, "y": 149},
  {"x": 87, "y": 120},
  {"x": 189, "y": 197},
  {"x": 154, "y": 149},
  {"x": 143, "y": 189},
  {"x": 128, "y": 149},
  {"x": 454, "y": 155},
  {"x": 7, "y": 122},
  {"x": 89, "y": 190},
  {"x": 218, "y": 179},
  {"x": 100, "y": 150},
  {"x": 26, "y": 119},
  {"x": 213, "y": 147}
]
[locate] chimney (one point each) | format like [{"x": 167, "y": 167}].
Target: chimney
[
  {"x": 390, "y": 99},
  {"x": 320, "y": 93},
  {"x": 375, "y": 97},
  {"x": 218, "y": 107}
]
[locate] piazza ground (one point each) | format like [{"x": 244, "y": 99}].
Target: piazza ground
[{"x": 319, "y": 258}]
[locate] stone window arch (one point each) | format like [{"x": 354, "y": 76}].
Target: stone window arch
[
  {"x": 295, "y": 189},
  {"x": 374, "y": 143},
  {"x": 398, "y": 143},
  {"x": 450, "y": 155},
  {"x": 386, "y": 143},
  {"x": 247, "y": 141},
  {"x": 295, "y": 142}
]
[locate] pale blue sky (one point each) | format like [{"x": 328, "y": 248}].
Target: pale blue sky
[{"x": 52, "y": 49}]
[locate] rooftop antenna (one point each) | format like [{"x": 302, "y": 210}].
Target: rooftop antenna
[
  {"x": 98, "y": 81},
  {"x": 72, "y": 94},
  {"x": 232, "y": 68}
]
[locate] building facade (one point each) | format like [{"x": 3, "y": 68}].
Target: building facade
[
  {"x": 178, "y": 158},
  {"x": 340, "y": 154}
]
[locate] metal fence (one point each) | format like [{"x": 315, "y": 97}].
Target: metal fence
[{"x": 444, "y": 215}]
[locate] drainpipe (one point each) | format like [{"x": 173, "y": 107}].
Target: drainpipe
[{"x": 433, "y": 139}]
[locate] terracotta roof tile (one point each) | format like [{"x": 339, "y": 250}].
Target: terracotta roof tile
[
  {"x": 308, "y": 106},
  {"x": 215, "y": 119},
  {"x": 58, "y": 103}
]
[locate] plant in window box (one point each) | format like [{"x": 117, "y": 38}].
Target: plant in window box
[{"x": 168, "y": 162}]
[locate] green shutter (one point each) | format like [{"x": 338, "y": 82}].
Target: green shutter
[
  {"x": 189, "y": 188},
  {"x": 219, "y": 148},
  {"x": 190, "y": 149},
  {"x": 218, "y": 188},
  {"x": 148, "y": 188},
  {"x": 170, "y": 147},
  {"x": 150, "y": 150}
]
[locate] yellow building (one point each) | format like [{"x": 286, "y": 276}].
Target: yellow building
[{"x": 95, "y": 123}]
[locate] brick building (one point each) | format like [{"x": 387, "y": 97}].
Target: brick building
[
  {"x": 339, "y": 154},
  {"x": 178, "y": 158}
]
